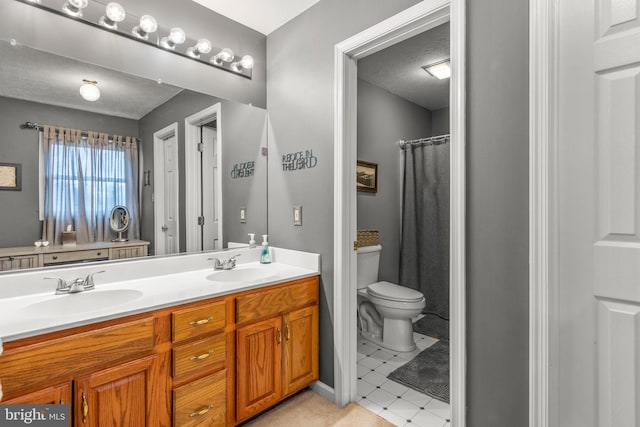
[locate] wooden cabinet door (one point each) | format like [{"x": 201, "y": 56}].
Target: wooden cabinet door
[
  {"x": 259, "y": 366},
  {"x": 115, "y": 396},
  {"x": 300, "y": 349},
  {"x": 54, "y": 395}
]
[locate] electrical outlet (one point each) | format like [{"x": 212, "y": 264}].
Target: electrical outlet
[
  {"x": 297, "y": 215},
  {"x": 243, "y": 215}
]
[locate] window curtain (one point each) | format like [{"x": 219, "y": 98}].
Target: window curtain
[
  {"x": 85, "y": 178},
  {"x": 424, "y": 251}
]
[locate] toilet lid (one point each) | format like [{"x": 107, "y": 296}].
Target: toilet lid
[{"x": 393, "y": 292}]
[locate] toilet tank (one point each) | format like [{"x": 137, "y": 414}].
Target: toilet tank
[{"x": 368, "y": 263}]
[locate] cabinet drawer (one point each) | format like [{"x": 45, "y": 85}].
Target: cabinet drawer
[
  {"x": 199, "y": 356},
  {"x": 18, "y": 262},
  {"x": 193, "y": 322},
  {"x": 269, "y": 303},
  {"x": 50, "y": 360},
  {"x": 202, "y": 402},
  {"x": 62, "y": 257}
]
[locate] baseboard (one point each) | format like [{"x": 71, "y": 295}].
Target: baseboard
[{"x": 324, "y": 390}]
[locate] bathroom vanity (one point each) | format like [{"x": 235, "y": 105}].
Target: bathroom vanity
[{"x": 239, "y": 346}]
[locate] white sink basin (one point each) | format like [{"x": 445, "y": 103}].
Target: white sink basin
[
  {"x": 238, "y": 275},
  {"x": 81, "y": 302}
]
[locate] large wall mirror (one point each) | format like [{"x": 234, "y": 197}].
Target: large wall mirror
[{"x": 200, "y": 165}]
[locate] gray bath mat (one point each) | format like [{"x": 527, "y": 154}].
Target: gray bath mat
[
  {"x": 428, "y": 372},
  {"x": 432, "y": 326}
]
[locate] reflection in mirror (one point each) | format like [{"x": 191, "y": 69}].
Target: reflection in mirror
[
  {"x": 119, "y": 222},
  {"x": 200, "y": 158}
]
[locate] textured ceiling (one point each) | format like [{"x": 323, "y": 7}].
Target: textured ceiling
[
  {"x": 264, "y": 16},
  {"x": 38, "y": 76},
  {"x": 398, "y": 68}
]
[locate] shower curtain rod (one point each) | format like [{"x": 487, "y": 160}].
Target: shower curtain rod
[
  {"x": 84, "y": 133},
  {"x": 425, "y": 141}
]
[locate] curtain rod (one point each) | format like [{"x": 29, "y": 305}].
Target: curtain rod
[
  {"x": 84, "y": 133},
  {"x": 438, "y": 139}
]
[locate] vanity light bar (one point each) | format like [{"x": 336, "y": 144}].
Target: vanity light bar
[{"x": 114, "y": 19}]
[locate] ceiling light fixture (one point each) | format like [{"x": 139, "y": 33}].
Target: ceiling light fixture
[
  {"x": 202, "y": 47},
  {"x": 146, "y": 26},
  {"x": 226, "y": 55},
  {"x": 176, "y": 36},
  {"x": 89, "y": 90},
  {"x": 74, "y": 7},
  {"x": 246, "y": 63},
  {"x": 440, "y": 70},
  {"x": 114, "y": 13}
]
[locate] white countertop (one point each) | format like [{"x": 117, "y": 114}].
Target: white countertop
[{"x": 157, "y": 287}]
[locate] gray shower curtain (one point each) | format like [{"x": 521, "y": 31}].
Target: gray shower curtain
[{"x": 424, "y": 252}]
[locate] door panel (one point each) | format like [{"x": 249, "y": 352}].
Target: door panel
[
  {"x": 301, "y": 348},
  {"x": 171, "y": 195}
]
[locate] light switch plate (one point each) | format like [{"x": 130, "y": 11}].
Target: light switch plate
[
  {"x": 243, "y": 215},
  {"x": 297, "y": 215}
]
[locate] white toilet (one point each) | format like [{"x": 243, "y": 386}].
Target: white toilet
[{"x": 385, "y": 309}]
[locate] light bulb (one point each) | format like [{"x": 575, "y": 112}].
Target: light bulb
[
  {"x": 202, "y": 47},
  {"x": 114, "y": 13},
  {"x": 89, "y": 90},
  {"x": 147, "y": 25},
  {"x": 74, "y": 7},
  {"x": 176, "y": 36},
  {"x": 225, "y": 55},
  {"x": 245, "y": 63}
]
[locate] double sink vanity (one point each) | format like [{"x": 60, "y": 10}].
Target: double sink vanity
[{"x": 162, "y": 341}]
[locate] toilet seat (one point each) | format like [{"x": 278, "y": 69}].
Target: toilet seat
[{"x": 392, "y": 292}]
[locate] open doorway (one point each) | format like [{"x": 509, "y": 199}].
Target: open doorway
[{"x": 415, "y": 20}]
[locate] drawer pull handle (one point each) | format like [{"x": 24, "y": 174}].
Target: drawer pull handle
[
  {"x": 279, "y": 336},
  {"x": 55, "y": 257},
  {"x": 201, "y": 321},
  {"x": 202, "y": 356},
  {"x": 287, "y": 332},
  {"x": 85, "y": 408},
  {"x": 201, "y": 411}
]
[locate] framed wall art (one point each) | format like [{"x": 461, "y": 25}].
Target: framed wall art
[
  {"x": 366, "y": 177},
  {"x": 11, "y": 176}
]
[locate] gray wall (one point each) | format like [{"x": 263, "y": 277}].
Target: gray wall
[
  {"x": 384, "y": 119},
  {"x": 440, "y": 121},
  {"x": 243, "y": 133},
  {"x": 300, "y": 103},
  {"x": 19, "y": 223},
  {"x": 46, "y": 31},
  {"x": 497, "y": 212}
]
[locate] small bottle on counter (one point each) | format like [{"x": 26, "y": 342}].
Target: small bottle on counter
[
  {"x": 252, "y": 240},
  {"x": 265, "y": 256}
]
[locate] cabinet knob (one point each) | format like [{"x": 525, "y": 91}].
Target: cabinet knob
[
  {"x": 55, "y": 257},
  {"x": 85, "y": 407},
  {"x": 287, "y": 332},
  {"x": 279, "y": 336}
]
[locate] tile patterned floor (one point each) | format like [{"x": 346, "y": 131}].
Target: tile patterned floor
[{"x": 393, "y": 401}]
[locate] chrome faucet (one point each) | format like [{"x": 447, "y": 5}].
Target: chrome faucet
[
  {"x": 77, "y": 285},
  {"x": 225, "y": 264}
]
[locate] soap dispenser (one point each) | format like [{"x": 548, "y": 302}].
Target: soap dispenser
[
  {"x": 252, "y": 240},
  {"x": 265, "y": 257}
]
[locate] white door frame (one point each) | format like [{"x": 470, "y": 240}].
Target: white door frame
[
  {"x": 158, "y": 179},
  {"x": 192, "y": 172},
  {"x": 402, "y": 26},
  {"x": 543, "y": 193}
]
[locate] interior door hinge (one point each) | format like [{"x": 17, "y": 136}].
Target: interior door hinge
[
  {"x": 201, "y": 147},
  {"x": 355, "y": 245},
  {"x": 200, "y": 220},
  {"x": 265, "y": 151}
]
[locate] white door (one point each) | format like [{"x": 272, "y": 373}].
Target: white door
[
  {"x": 599, "y": 214},
  {"x": 170, "y": 226},
  {"x": 210, "y": 198}
]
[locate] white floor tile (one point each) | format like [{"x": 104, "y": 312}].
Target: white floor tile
[
  {"x": 394, "y": 388},
  {"x": 370, "y": 362},
  {"x": 382, "y": 398},
  {"x": 385, "y": 368},
  {"x": 439, "y": 408},
  {"x": 418, "y": 399},
  {"x": 392, "y": 418},
  {"x": 409, "y": 355},
  {"x": 374, "y": 378},
  {"x": 370, "y": 406},
  {"x": 404, "y": 409},
  {"x": 426, "y": 419},
  {"x": 368, "y": 348},
  {"x": 362, "y": 370},
  {"x": 364, "y": 388},
  {"x": 383, "y": 355}
]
